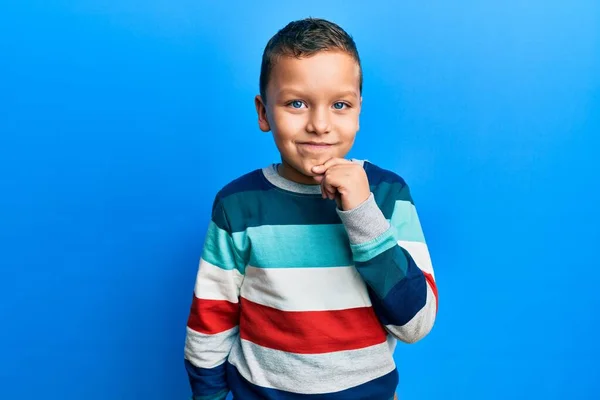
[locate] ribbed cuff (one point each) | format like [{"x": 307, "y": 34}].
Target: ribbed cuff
[{"x": 365, "y": 222}]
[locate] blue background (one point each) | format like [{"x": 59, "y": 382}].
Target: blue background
[{"x": 120, "y": 120}]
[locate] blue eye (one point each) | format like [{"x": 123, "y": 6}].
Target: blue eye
[
  {"x": 339, "y": 105},
  {"x": 296, "y": 104}
]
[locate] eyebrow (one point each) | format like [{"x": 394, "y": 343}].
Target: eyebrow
[
  {"x": 348, "y": 93},
  {"x": 295, "y": 92}
]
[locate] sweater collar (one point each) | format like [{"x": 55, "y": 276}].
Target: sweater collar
[{"x": 271, "y": 174}]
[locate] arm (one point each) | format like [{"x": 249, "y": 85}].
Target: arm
[
  {"x": 212, "y": 325},
  {"x": 393, "y": 259}
]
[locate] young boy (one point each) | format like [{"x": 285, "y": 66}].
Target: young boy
[{"x": 314, "y": 267}]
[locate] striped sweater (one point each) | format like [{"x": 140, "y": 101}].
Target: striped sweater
[{"x": 296, "y": 299}]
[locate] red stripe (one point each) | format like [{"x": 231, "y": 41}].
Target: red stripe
[
  {"x": 431, "y": 282},
  {"x": 213, "y": 316},
  {"x": 310, "y": 332}
]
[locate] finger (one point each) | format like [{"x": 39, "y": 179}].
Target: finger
[
  {"x": 329, "y": 164},
  {"x": 321, "y": 181},
  {"x": 331, "y": 192},
  {"x": 328, "y": 190},
  {"x": 319, "y": 169},
  {"x": 329, "y": 185},
  {"x": 332, "y": 179}
]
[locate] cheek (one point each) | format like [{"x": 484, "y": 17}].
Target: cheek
[
  {"x": 288, "y": 126},
  {"x": 347, "y": 127}
]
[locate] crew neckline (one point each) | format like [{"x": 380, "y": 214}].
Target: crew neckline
[{"x": 272, "y": 175}]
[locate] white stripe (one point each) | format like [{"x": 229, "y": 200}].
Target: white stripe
[
  {"x": 420, "y": 254},
  {"x": 306, "y": 289},
  {"x": 209, "y": 351},
  {"x": 420, "y": 325},
  {"x": 310, "y": 373},
  {"x": 392, "y": 342},
  {"x": 214, "y": 283}
]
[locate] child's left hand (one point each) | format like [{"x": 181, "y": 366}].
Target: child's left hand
[{"x": 343, "y": 181}]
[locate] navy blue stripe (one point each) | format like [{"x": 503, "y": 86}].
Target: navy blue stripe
[
  {"x": 275, "y": 207},
  {"x": 386, "y": 195},
  {"x": 235, "y": 192},
  {"x": 385, "y": 270},
  {"x": 406, "y": 297},
  {"x": 219, "y": 217},
  {"x": 257, "y": 208},
  {"x": 378, "y": 175},
  {"x": 382, "y": 388},
  {"x": 254, "y": 180},
  {"x": 204, "y": 381},
  {"x": 251, "y": 201}
]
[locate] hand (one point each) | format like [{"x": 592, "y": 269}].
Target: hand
[{"x": 343, "y": 181}]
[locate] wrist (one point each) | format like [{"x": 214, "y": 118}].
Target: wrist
[
  {"x": 364, "y": 222},
  {"x": 351, "y": 204}
]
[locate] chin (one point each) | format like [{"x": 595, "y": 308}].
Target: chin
[
  {"x": 303, "y": 168},
  {"x": 307, "y": 165},
  {"x": 304, "y": 165}
]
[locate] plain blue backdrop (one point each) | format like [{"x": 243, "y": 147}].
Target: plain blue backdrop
[{"x": 119, "y": 120}]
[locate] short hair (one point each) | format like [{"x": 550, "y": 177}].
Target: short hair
[{"x": 304, "y": 38}]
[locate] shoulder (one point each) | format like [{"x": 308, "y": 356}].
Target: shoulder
[
  {"x": 238, "y": 201},
  {"x": 387, "y": 186},
  {"x": 378, "y": 175},
  {"x": 249, "y": 182}
]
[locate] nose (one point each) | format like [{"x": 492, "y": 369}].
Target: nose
[{"x": 319, "y": 122}]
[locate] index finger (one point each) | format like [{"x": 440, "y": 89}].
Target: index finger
[{"x": 329, "y": 163}]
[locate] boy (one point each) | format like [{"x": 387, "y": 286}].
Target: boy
[{"x": 314, "y": 267}]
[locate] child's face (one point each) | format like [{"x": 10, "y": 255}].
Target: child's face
[{"x": 313, "y": 107}]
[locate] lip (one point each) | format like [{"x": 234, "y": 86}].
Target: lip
[
  {"x": 314, "y": 147},
  {"x": 311, "y": 143}
]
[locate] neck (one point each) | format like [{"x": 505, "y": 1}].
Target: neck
[{"x": 292, "y": 174}]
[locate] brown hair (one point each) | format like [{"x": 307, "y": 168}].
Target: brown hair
[{"x": 304, "y": 38}]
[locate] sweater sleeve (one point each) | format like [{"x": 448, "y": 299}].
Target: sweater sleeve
[
  {"x": 393, "y": 259},
  {"x": 212, "y": 326}
]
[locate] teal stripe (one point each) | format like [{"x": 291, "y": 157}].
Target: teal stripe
[
  {"x": 222, "y": 395},
  {"x": 252, "y": 208},
  {"x": 299, "y": 246},
  {"x": 384, "y": 271},
  {"x": 406, "y": 222},
  {"x": 310, "y": 246},
  {"x": 365, "y": 251},
  {"x": 219, "y": 249},
  {"x": 386, "y": 194},
  {"x": 274, "y": 207}
]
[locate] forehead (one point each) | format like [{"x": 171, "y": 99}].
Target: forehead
[{"x": 322, "y": 72}]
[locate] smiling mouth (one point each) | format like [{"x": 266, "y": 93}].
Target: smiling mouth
[{"x": 315, "y": 147}]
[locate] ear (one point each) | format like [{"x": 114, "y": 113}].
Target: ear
[
  {"x": 261, "y": 110},
  {"x": 359, "y": 111}
]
